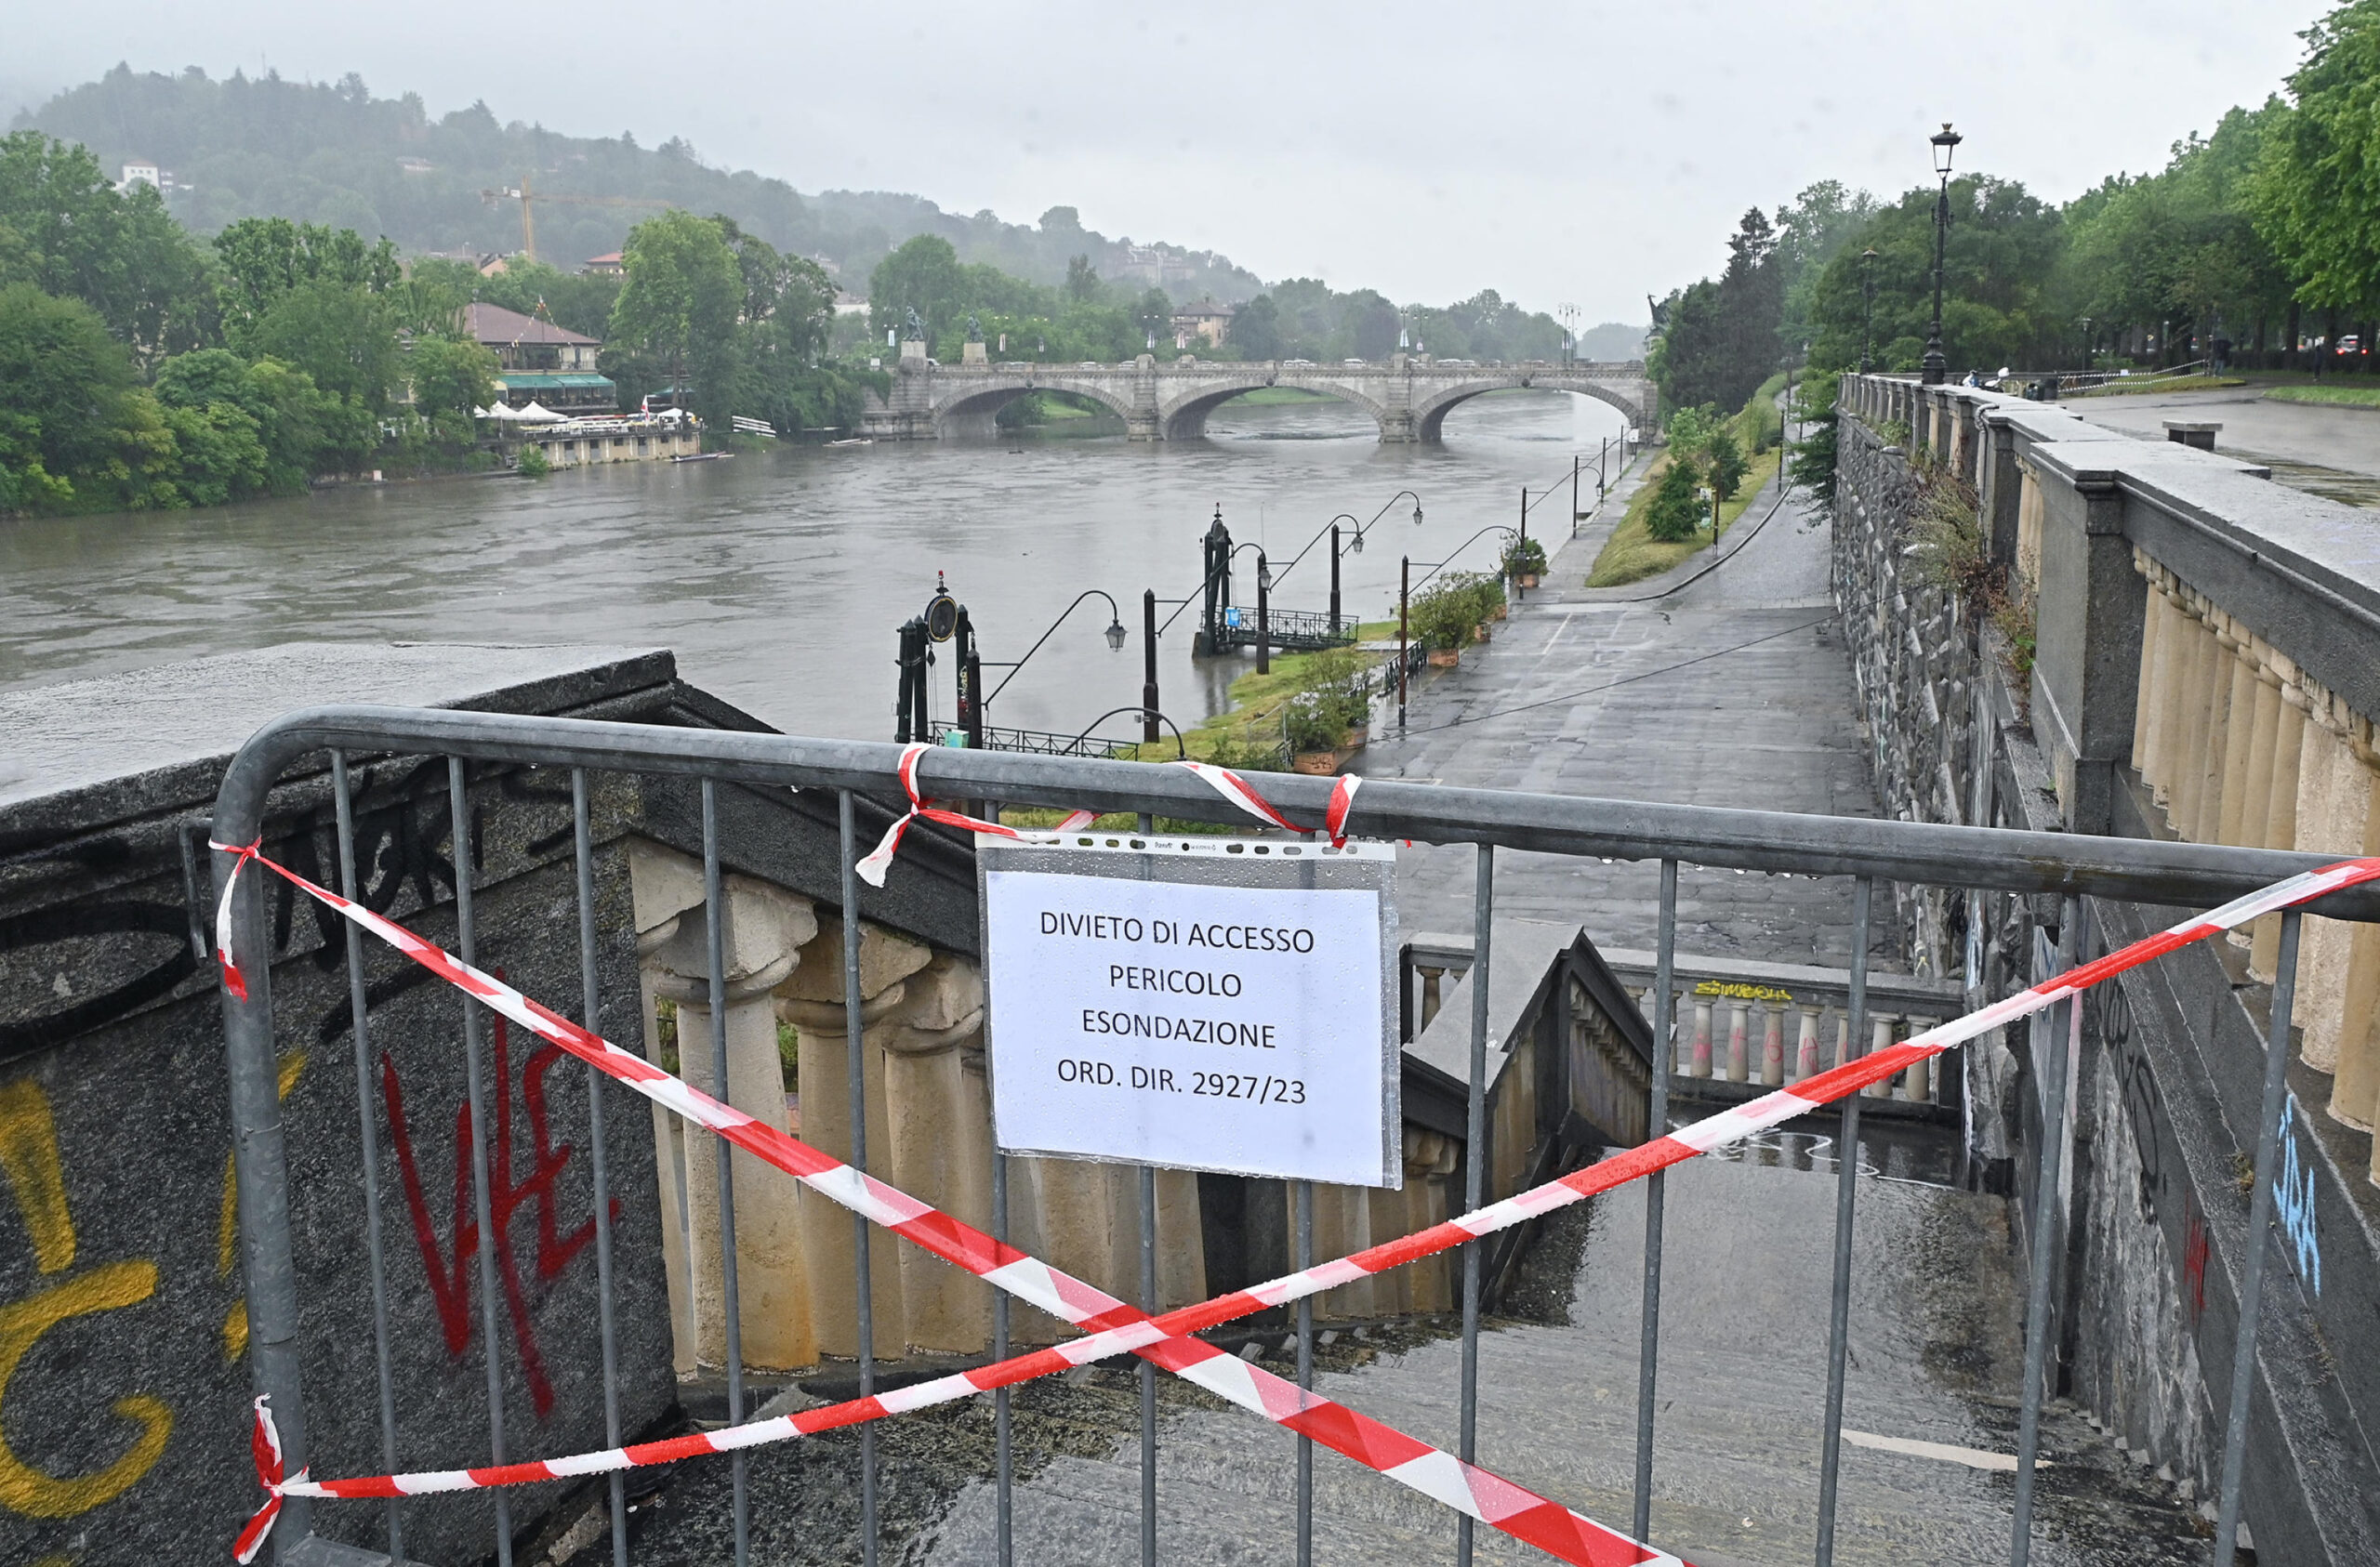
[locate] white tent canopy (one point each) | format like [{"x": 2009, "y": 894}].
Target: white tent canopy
[{"x": 538, "y": 413}]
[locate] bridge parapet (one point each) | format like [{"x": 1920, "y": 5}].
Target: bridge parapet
[{"x": 1408, "y": 397}]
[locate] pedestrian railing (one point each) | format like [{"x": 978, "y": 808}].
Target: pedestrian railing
[{"x": 538, "y": 756}]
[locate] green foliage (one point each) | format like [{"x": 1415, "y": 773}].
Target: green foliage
[
  {"x": 64, "y": 387},
  {"x": 2317, "y": 183},
  {"x": 451, "y": 376},
  {"x": 1812, "y": 464},
  {"x": 1691, "y": 429},
  {"x": 264, "y": 260},
  {"x": 1524, "y": 558},
  {"x": 1333, "y": 696},
  {"x": 1675, "y": 514},
  {"x": 677, "y": 315},
  {"x": 337, "y": 334},
  {"x": 1720, "y": 339},
  {"x": 1256, "y": 329},
  {"x": 2000, "y": 273},
  {"x": 533, "y": 463},
  {"x": 1450, "y": 611},
  {"x": 1726, "y": 459},
  {"x": 66, "y": 231}
]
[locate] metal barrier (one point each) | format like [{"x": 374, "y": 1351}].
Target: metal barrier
[{"x": 2069, "y": 867}]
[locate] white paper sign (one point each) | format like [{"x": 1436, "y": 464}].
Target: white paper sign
[{"x": 1234, "y": 1020}]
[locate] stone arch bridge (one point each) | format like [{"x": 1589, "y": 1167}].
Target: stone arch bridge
[{"x": 1408, "y": 397}]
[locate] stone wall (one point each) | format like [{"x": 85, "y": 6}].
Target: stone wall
[{"x": 2203, "y": 648}]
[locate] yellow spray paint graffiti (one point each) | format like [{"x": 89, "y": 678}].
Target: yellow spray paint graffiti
[{"x": 36, "y": 1179}]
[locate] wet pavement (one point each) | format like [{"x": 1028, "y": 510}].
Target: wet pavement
[
  {"x": 1734, "y": 693},
  {"x": 2327, "y": 450}
]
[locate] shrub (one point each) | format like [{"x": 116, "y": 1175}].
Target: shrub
[
  {"x": 1691, "y": 430},
  {"x": 1446, "y": 614},
  {"x": 533, "y": 463},
  {"x": 1675, "y": 513},
  {"x": 1524, "y": 558}
]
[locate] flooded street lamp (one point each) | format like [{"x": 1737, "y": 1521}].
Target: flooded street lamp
[{"x": 1946, "y": 141}]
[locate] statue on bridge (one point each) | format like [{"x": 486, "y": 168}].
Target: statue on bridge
[
  {"x": 974, "y": 328},
  {"x": 916, "y": 327}
]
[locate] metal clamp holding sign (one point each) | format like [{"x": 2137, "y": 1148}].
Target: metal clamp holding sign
[{"x": 1195, "y": 1003}]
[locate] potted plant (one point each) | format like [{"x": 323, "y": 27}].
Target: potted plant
[
  {"x": 1328, "y": 720},
  {"x": 1446, "y": 617},
  {"x": 1525, "y": 560}
]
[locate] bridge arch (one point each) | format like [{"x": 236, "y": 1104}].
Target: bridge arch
[
  {"x": 1430, "y": 414},
  {"x": 1184, "y": 418},
  {"x": 969, "y": 410}
]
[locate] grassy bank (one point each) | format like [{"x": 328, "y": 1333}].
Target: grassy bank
[
  {"x": 2351, "y": 397},
  {"x": 1235, "y": 737},
  {"x": 1631, "y": 553}
]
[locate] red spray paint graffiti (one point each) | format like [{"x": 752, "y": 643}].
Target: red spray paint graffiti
[{"x": 450, "y": 1272}]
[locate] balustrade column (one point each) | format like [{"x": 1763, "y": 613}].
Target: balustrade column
[
  {"x": 2164, "y": 674},
  {"x": 938, "y": 1120},
  {"x": 1881, "y": 1038},
  {"x": 1772, "y": 1044},
  {"x": 2144, "y": 709},
  {"x": 2189, "y": 697},
  {"x": 813, "y": 1003},
  {"x": 2322, "y": 957},
  {"x": 2281, "y": 819},
  {"x": 2355, "y": 1092},
  {"x": 1738, "y": 1057},
  {"x": 2256, "y": 815},
  {"x": 1916, "y": 1081},
  {"x": 1805, "y": 1047},
  {"x": 2223, "y": 664},
  {"x": 2181, "y": 726},
  {"x": 763, "y": 931},
  {"x": 2239, "y": 735},
  {"x": 1699, "y": 1059}
]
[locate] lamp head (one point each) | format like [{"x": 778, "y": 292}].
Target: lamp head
[
  {"x": 1944, "y": 140},
  {"x": 1355, "y": 544},
  {"x": 1115, "y": 636},
  {"x": 1264, "y": 571},
  {"x": 1417, "y": 514},
  {"x": 1867, "y": 256}
]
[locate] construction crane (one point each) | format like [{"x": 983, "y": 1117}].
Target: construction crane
[{"x": 526, "y": 196}]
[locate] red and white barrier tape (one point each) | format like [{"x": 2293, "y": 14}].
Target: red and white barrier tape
[
  {"x": 1115, "y": 1326},
  {"x": 1231, "y": 785}
]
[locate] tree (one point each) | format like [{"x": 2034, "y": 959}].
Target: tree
[
  {"x": 65, "y": 229},
  {"x": 1153, "y": 315},
  {"x": 2000, "y": 300},
  {"x": 924, "y": 276},
  {"x": 678, "y": 312},
  {"x": 337, "y": 334},
  {"x": 1082, "y": 284},
  {"x": 1722, "y": 337},
  {"x": 264, "y": 259},
  {"x": 1256, "y": 330},
  {"x": 451, "y": 376},
  {"x": 1372, "y": 322},
  {"x": 2317, "y": 182},
  {"x": 298, "y": 427},
  {"x": 1726, "y": 463},
  {"x": 1675, "y": 515}
]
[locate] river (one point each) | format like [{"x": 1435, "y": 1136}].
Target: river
[{"x": 779, "y": 578}]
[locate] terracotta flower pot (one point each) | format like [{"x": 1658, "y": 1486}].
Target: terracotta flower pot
[
  {"x": 1500, "y": 612},
  {"x": 1445, "y": 658},
  {"x": 1529, "y": 579}
]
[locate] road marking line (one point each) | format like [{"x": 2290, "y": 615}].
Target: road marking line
[{"x": 1973, "y": 1457}]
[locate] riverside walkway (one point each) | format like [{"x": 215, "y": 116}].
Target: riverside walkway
[{"x": 1732, "y": 690}]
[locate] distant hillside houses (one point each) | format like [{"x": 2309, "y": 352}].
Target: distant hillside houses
[{"x": 537, "y": 362}]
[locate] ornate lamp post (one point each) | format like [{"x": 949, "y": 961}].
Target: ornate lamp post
[
  {"x": 1867, "y": 306},
  {"x": 2086, "y": 345},
  {"x": 1946, "y": 141}
]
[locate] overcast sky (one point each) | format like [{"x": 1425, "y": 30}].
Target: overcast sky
[{"x": 1582, "y": 153}]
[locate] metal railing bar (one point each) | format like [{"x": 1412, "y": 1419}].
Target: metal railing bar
[
  {"x": 1475, "y": 1176},
  {"x": 2052, "y": 1072},
  {"x": 2252, "y": 1284},
  {"x": 590, "y": 1015},
  {"x": 1846, "y": 1193},
  {"x": 1004, "y": 1460},
  {"x": 2133, "y": 870},
  {"x": 1657, "y": 1124},
  {"x": 467, "y": 938},
  {"x": 1149, "y": 1369},
  {"x": 368, "y": 1134},
  {"x": 1306, "y": 1374},
  {"x": 731, "y": 1302},
  {"x": 855, "y": 1060}
]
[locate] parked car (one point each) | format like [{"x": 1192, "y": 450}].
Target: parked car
[{"x": 2351, "y": 343}]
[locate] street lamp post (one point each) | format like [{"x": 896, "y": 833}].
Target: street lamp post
[
  {"x": 1148, "y": 665},
  {"x": 1334, "y": 578},
  {"x": 1866, "y": 307},
  {"x": 1115, "y": 633},
  {"x": 1404, "y": 591},
  {"x": 1263, "y": 615},
  {"x": 1946, "y": 141},
  {"x": 2086, "y": 345}
]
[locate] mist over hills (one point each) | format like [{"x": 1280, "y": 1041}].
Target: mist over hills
[
  {"x": 336, "y": 153},
  {"x": 333, "y": 153}
]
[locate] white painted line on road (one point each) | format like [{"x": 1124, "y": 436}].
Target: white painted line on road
[{"x": 1973, "y": 1457}]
